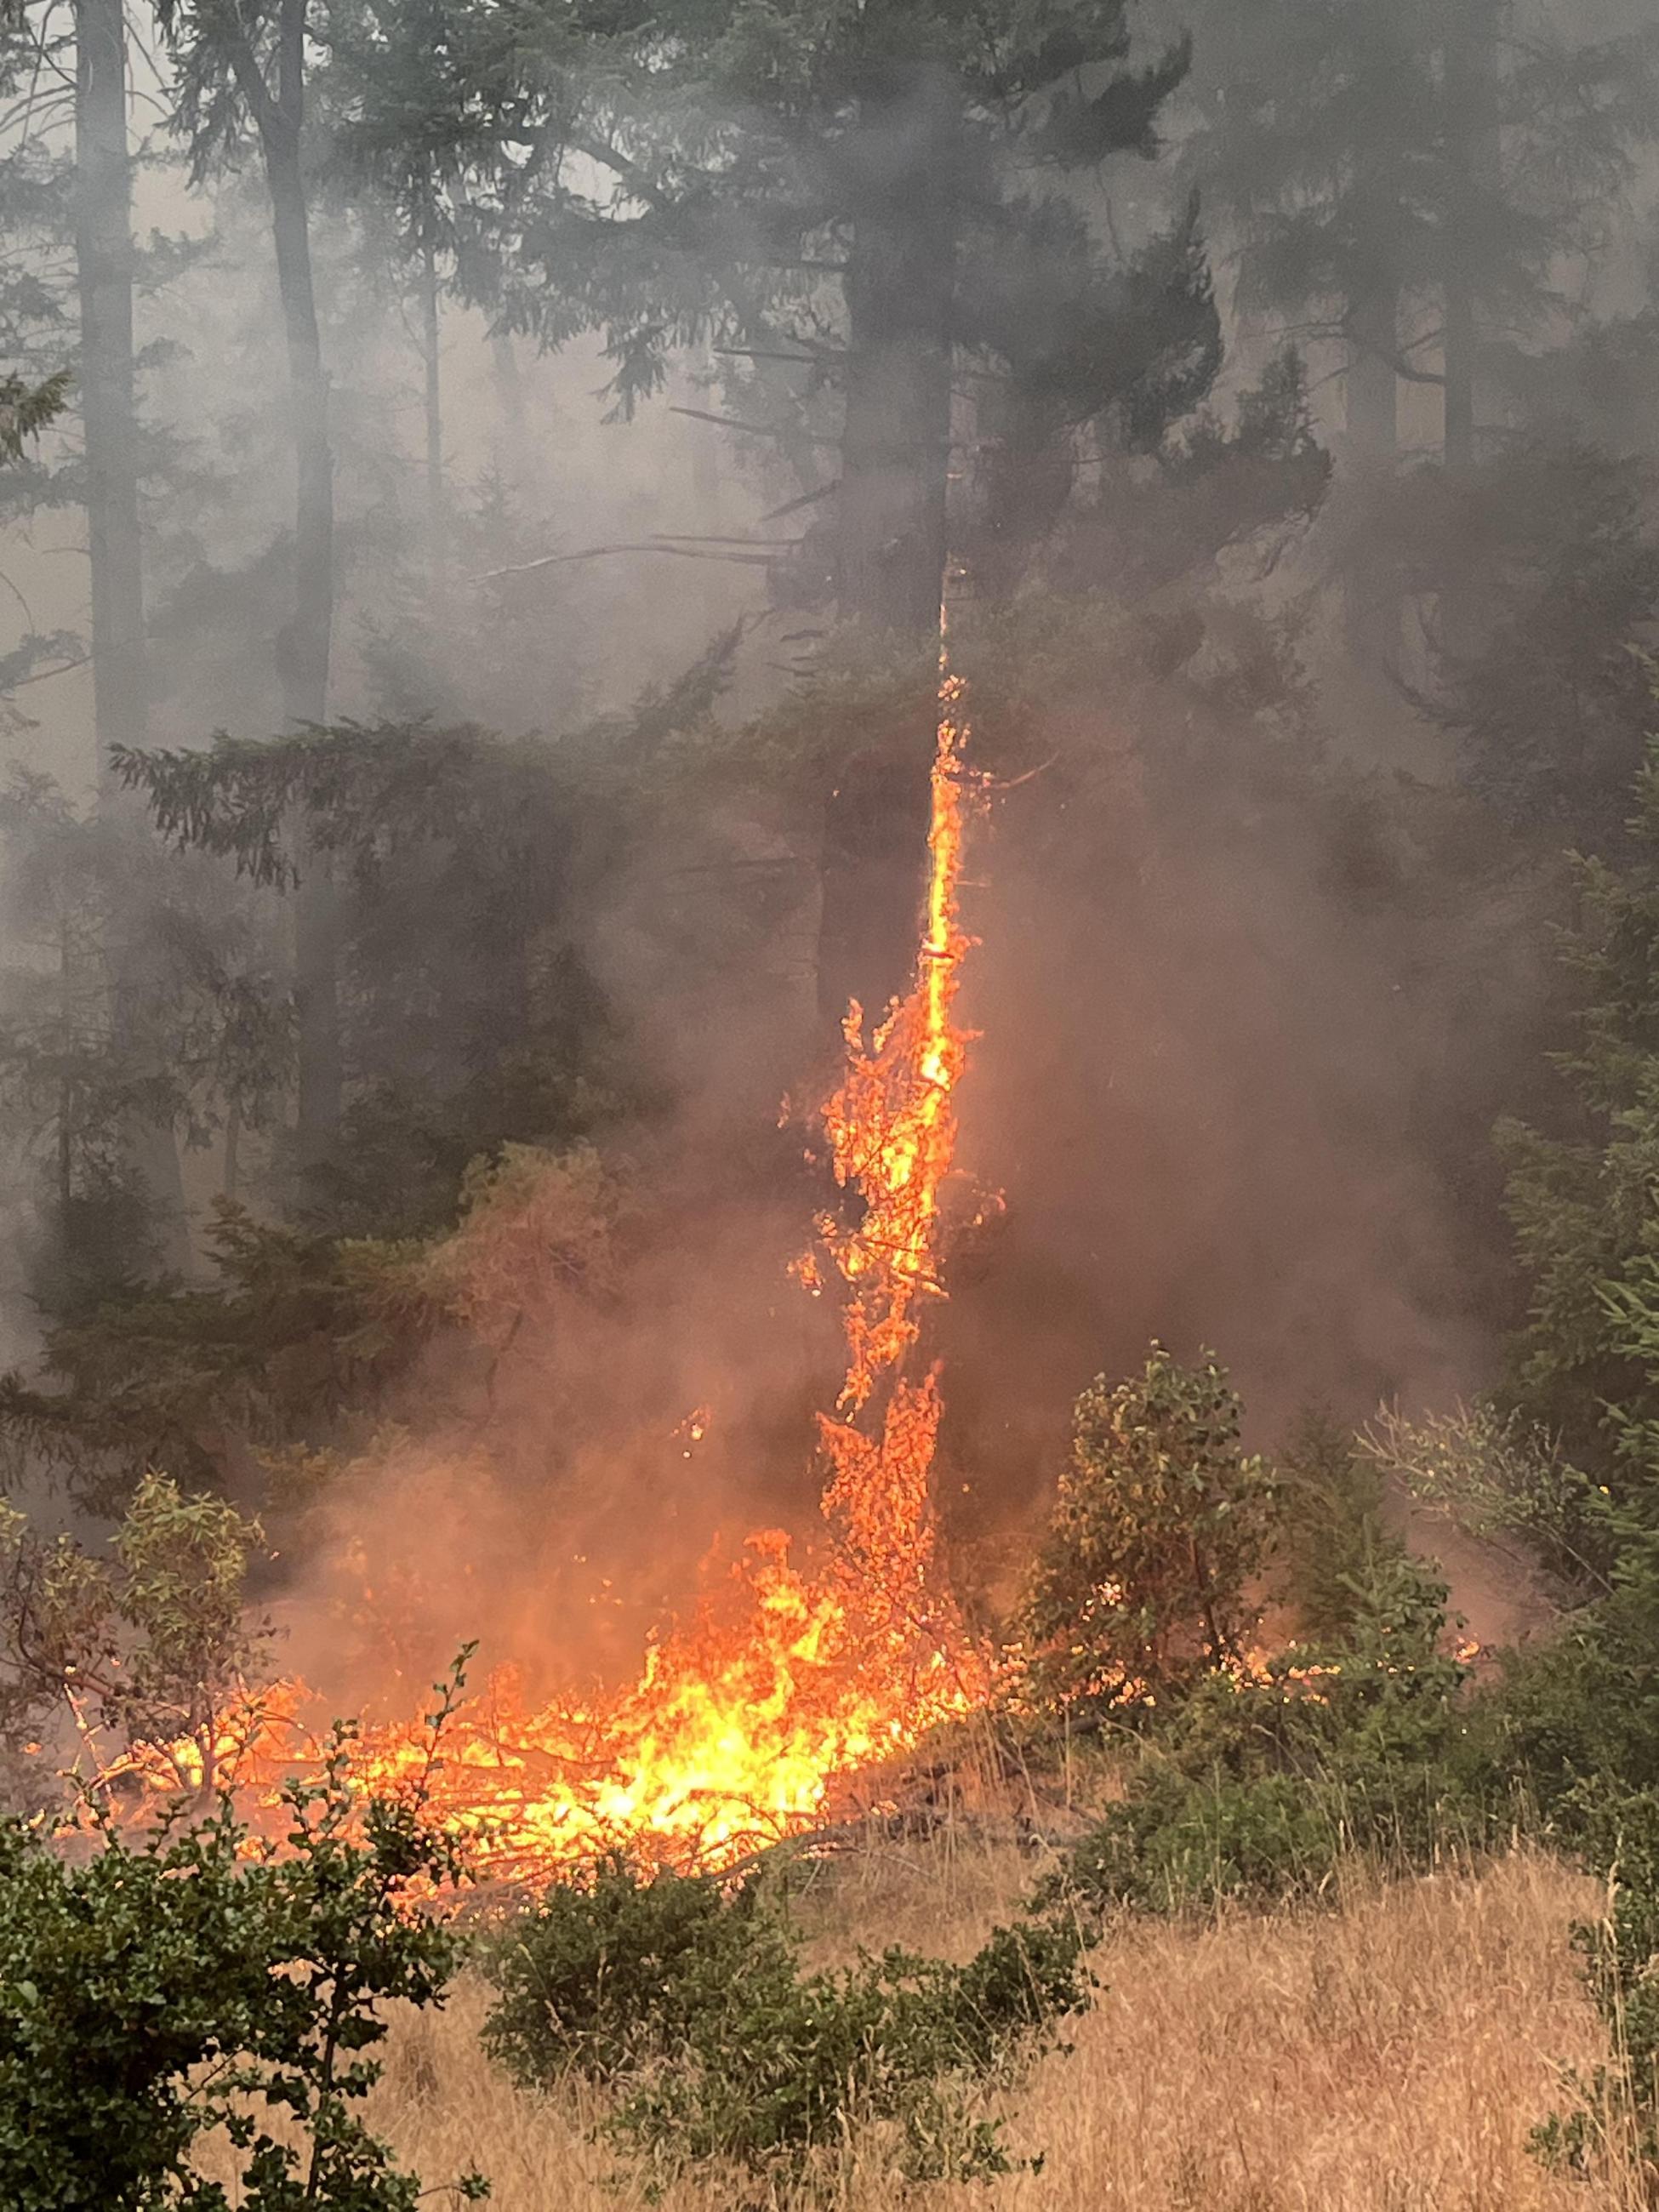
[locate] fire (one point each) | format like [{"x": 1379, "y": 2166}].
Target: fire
[
  {"x": 784, "y": 1676},
  {"x": 891, "y": 1122}
]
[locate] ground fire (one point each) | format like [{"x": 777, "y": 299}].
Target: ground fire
[{"x": 783, "y": 1676}]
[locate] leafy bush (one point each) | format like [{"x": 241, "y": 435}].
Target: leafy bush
[
  {"x": 1617, "y": 2107},
  {"x": 1179, "y": 1839},
  {"x": 1582, "y": 1203},
  {"x": 1331, "y": 1536},
  {"x": 1503, "y": 1479},
  {"x": 1160, "y": 1526},
  {"x": 148, "y": 1647},
  {"x": 158, "y": 1993},
  {"x": 1260, "y": 1784},
  {"x": 687, "y": 1997}
]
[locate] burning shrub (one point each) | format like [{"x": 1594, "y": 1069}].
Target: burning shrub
[
  {"x": 154, "y": 1996},
  {"x": 1160, "y": 1527},
  {"x": 533, "y": 1223},
  {"x": 686, "y": 1996}
]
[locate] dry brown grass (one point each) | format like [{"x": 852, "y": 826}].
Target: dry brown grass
[{"x": 1389, "y": 2057}]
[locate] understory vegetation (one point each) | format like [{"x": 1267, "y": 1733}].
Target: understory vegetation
[{"x": 525, "y": 531}]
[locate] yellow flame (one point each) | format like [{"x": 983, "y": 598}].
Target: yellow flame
[{"x": 741, "y": 1717}]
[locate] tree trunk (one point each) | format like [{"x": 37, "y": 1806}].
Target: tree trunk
[
  {"x": 1470, "y": 94},
  {"x": 896, "y": 439},
  {"x": 1026, "y": 467},
  {"x": 1372, "y": 586},
  {"x": 1469, "y": 91},
  {"x": 103, "y": 255},
  {"x": 120, "y": 688},
  {"x": 436, "y": 503},
  {"x": 892, "y": 525},
  {"x": 304, "y": 646}
]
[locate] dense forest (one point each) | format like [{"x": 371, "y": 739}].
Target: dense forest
[{"x": 546, "y": 554}]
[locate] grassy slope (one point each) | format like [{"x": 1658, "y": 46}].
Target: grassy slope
[{"x": 1388, "y": 2057}]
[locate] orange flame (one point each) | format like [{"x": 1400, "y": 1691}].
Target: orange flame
[
  {"x": 891, "y": 1123},
  {"x": 781, "y": 1680}
]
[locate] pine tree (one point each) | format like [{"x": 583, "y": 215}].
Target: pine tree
[
  {"x": 866, "y": 191},
  {"x": 1583, "y": 1202},
  {"x": 1403, "y": 179}
]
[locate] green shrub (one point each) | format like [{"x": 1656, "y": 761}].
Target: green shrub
[
  {"x": 1160, "y": 1527},
  {"x": 686, "y": 1996},
  {"x": 1504, "y": 1480},
  {"x": 158, "y": 1992},
  {"x": 1616, "y": 2106},
  {"x": 147, "y": 1645},
  {"x": 1180, "y": 1839},
  {"x": 1258, "y": 1786}
]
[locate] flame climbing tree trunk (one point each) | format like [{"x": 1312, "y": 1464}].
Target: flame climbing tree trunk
[{"x": 904, "y": 192}]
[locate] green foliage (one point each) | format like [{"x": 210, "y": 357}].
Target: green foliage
[
  {"x": 202, "y": 1986},
  {"x": 27, "y": 409},
  {"x": 1332, "y": 1534},
  {"x": 147, "y": 1648},
  {"x": 1161, "y": 1524},
  {"x": 1505, "y": 1480},
  {"x": 1616, "y": 2114},
  {"x": 303, "y": 1332},
  {"x": 1261, "y": 1782},
  {"x": 287, "y": 1361},
  {"x": 97, "y": 1058},
  {"x": 1582, "y": 1203},
  {"x": 685, "y": 1995},
  {"x": 464, "y": 866},
  {"x": 298, "y": 1327},
  {"x": 1180, "y": 1840},
  {"x": 1268, "y": 1790},
  {"x": 1550, "y": 710},
  {"x": 1585, "y": 1704},
  {"x": 651, "y": 101}
]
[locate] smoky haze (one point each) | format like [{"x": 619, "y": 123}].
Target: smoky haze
[{"x": 1257, "y": 489}]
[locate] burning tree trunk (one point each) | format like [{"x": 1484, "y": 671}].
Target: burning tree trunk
[{"x": 895, "y": 457}]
